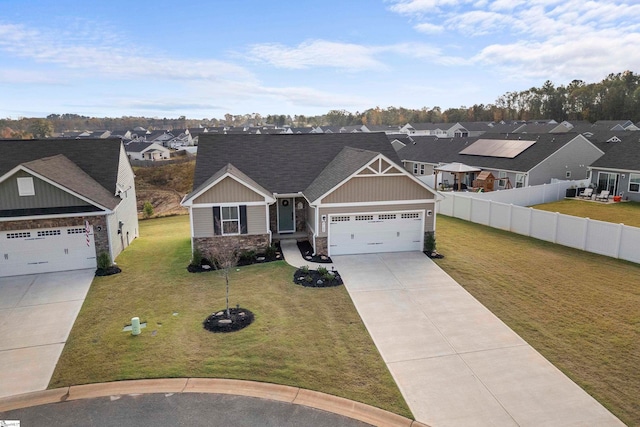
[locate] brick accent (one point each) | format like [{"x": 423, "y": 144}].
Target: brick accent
[
  {"x": 99, "y": 224},
  {"x": 244, "y": 242},
  {"x": 301, "y": 214},
  {"x": 321, "y": 246}
]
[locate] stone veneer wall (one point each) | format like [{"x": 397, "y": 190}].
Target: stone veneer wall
[
  {"x": 321, "y": 246},
  {"x": 301, "y": 215},
  {"x": 99, "y": 224},
  {"x": 243, "y": 242}
]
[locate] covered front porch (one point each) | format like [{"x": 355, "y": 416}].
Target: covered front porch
[{"x": 288, "y": 218}]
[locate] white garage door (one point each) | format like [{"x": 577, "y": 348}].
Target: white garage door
[
  {"x": 378, "y": 232},
  {"x": 46, "y": 250}
]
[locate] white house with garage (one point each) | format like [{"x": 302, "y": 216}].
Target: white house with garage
[
  {"x": 345, "y": 193},
  {"x": 64, "y": 202}
]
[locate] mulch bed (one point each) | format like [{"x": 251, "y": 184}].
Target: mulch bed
[
  {"x": 108, "y": 271},
  {"x": 306, "y": 250},
  {"x": 218, "y": 322},
  {"x": 433, "y": 254},
  {"x": 245, "y": 259},
  {"x": 315, "y": 279}
]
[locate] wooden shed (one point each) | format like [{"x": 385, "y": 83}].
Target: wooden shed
[{"x": 484, "y": 181}]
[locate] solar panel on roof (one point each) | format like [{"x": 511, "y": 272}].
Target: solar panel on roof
[{"x": 506, "y": 148}]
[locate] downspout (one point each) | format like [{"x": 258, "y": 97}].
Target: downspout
[
  {"x": 315, "y": 231},
  {"x": 191, "y": 226},
  {"x": 108, "y": 237}
]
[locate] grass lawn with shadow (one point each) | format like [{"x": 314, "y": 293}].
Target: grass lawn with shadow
[
  {"x": 304, "y": 337},
  {"x": 579, "y": 310}
]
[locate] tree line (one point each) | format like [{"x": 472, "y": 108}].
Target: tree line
[{"x": 617, "y": 97}]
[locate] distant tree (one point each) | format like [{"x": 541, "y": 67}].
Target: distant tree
[{"x": 41, "y": 128}]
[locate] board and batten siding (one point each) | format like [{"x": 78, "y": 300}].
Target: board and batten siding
[
  {"x": 378, "y": 189},
  {"x": 229, "y": 191},
  {"x": 339, "y": 210},
  {"x": 311, "y": 217},
  {"x": 46, "y": 195},
  {"x": 203, "y": 220}
]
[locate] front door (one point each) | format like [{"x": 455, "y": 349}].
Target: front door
[{"x": 286, "y": 216}]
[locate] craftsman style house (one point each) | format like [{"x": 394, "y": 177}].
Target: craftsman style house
[
  {"x": 345, "y": 193},
  {"x": 64, "y": 202}
]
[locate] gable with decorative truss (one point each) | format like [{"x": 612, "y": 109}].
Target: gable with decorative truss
[
  {"x": 379, "y": 166},
  {"x": 379, "y": 181}
]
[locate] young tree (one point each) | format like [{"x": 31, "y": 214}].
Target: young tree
[
  {"x": 224, "y": 258},
  {"x": 147, "y": 209}
]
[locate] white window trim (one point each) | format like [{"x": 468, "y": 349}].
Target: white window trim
[
  {"x": 223, "y": 220},
  {"x": 631, "y": 177},
  {"x": 520, "y": 179},
  {"x": 25, "y": 186}
]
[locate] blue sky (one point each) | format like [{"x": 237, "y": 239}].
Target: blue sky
[{"x": 207, "y": 58}]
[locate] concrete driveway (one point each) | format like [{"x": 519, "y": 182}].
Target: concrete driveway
[
  {"x": 37, "y": 313},
  {"x": 454, "y": 361}
]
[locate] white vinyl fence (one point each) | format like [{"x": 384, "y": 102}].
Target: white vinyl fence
[{"x": 604, "y": 238}]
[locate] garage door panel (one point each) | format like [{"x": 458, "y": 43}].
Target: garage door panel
[
  {"x": 46, "y": 250},
  {"x": 373, "y": 233}
]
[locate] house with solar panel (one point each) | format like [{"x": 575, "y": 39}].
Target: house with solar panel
[{"x": 514, "y": 160}]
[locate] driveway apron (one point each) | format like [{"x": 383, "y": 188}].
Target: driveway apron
[
  {"x": 37, "y": 313},
  {"x": 455, "y": 362}
]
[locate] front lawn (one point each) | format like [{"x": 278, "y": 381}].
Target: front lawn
[
  {"x": 304, "y": 337},
  {"x": 627, "y": 213},
  {"x": 580, "y": 310}
]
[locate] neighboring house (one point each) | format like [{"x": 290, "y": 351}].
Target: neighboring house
[
  {"x": 467, "y": 129},
  {"x": 523, "y": 160},
  {"x": 424, "y": 129},
  {"x": 345, "y": 193},
  {"x": 617, "y": 125},
  {"x": 62, "y": 203},
  {"x": 618, "y": 170},
  {"x": 139, "y": 150}
]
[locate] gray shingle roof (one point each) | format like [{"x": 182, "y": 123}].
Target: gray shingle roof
[
  {"x": 624, "y": 155},
  {"x": 340, "y": 168},
  {"x": 447, "y": 150},
  {"x": 98, "y": 158},
  {"x": 281, "y": 163},
  {"x": 232, "y": 170},
  {"x": 64, "y": 172}
]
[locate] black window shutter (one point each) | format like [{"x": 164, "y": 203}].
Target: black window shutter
[
  {"x": 243, "y": 219},
  {"x": 216, "y": 221}
]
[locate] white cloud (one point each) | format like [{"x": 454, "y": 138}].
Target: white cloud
[
  {"x": 317, "y": 53},
  {"x": 555, "y": 39},
  {"x": 104, "y": 55},
  {"x": 418, "y": 7},
  {"x": 429, "y": 28}
]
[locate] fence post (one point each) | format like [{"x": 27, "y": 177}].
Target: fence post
[
  {"x": 585, "y": 238},
  {"x": 555, "y": 227},
  {"x": 619, "y": 239},
  {"x": 530, "y": 222},
  {"x": 510, "y": 216}
]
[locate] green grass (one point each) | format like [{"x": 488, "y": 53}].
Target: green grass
[
  {"x": 303, "y": 337},
  {"x": 580, "y": 310},
  {"x": 627, "y": 213}
]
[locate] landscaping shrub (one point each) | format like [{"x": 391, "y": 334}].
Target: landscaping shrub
[{"x": 104, "y": 261}]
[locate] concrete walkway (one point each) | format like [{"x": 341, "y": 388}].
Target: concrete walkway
[
  {"x": 293, "y": 257},
  {"x": 456, "y": 363},
  {"x": 37, "y": 313}
]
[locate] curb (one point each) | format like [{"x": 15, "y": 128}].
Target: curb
[{"x": 294, "y": 395}]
